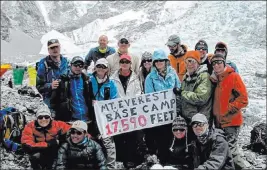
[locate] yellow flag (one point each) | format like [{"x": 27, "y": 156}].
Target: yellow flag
[{"x": 32, "y": 75}]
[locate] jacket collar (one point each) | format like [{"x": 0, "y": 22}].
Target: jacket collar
[
  {"x": 215, "y": 78},
  {"x": 201, "y": 69}
]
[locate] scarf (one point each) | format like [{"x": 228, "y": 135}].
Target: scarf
[
  {"x": 99, "y": 80},
  {"x": 203, "y": 138},
  {"x": 103, "y": 51}
]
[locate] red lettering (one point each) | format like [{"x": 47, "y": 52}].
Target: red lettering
[
  {"x": 133, "y": 120},
  {"x": 108, "y": 130},
  {"x": 115, "y": 126},
  {"x": 124, "y": 125},
  {"x": 142, "y": 120}
]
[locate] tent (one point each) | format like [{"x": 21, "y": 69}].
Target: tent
[{"x": 67, "y": 45}]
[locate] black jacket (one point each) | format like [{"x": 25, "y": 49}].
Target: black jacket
[
  {"x": 215, "y": 154},
  {"x": 88, "y": 155},
  {"x": 61, "y": 98},
  {"x": 209, "y": 66}
]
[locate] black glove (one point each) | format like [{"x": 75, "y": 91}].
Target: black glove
[
  {"x": 52, "y": 143},
  {"x": 177, "y": 91}
]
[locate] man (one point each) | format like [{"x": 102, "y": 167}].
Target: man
[
  {"x": 229, "y": 98},
  {"x": 114, "y": 59},
  {"x": 177, "y": 55},
  {"x": 196, "y": 89},
  {"x": 71, "y": 100},
  {"x": 221, "y": 48},
  {"x": 49, "y": 70},
  {"x": 202, "y": 47},
  {"x": 41, "y": 138},
  {"x": 102, "y": 51},
  {"x": 80, "y": 152},
  {"x": 211, "y": 150}
]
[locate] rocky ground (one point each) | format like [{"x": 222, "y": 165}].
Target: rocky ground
[{"x": 254, "y": 113}]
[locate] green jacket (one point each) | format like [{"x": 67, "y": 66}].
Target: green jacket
[{"x": 197, "y": 94}]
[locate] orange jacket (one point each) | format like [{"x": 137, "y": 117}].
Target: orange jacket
[
  {"x": 34, "y": 136},
  {"x": 178, "y": 63},
  {"x": 230, "y": 97}
]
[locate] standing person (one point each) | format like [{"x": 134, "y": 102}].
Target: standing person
[
  {"x": 180, "y": 157},
  {"x": 177, "y": 55},
  {"x": 145, "y": 68},
  {"x": 71, "y": 100},
  {"x": 229, "y": 98},
  {"x": 102, "y": 51},
  {"x": 49, "y": 70},
  {"x": 103, "y": 89},
  {"x": 196, "y": 90},
  {"x": 202, "y": 47},
  {"x": 128, "y": 85},
  {"x": 221, "y": 48},
  {"x": 114, "y": 59},
  {"x": 161, "y": 77},
  {"x": 41, "y": 138},
  {"x": 80, "y": 152},
  {"x": 211, "y": 150}
]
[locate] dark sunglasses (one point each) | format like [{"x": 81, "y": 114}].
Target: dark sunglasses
[
  {"x": 159, "y": 60},
  {"x": 201, "y": 48},
  {"x": 101, "y": 66},
  {"x": 72, "y": 131},
  {"x": 123, "y": 41},
  {"x": 220, "y": 49},
  {"x": 78, "y": 65},
  {"x": 125, "y": 61},
  {"x": 194, "y": 125},
  {"x": 190, "y": 61},
  {"x": 53, "y": 47},
  {"x": 149, "y": 60},
  {"x": 213, "y": 63},
  {"x": 41, "y": 117},
  {"x": 181, "y": 130}
]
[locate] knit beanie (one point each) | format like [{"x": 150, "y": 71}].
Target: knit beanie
[
  {"x": 221, "y": 45},
  {"x": 179, "y": 123},
  {"x": 195, "y": 55},
  {"x": 203, "y": 44}
]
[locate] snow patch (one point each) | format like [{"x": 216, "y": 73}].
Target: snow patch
[{"x": 41, "y": 6}]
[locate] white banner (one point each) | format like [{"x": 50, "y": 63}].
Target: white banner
[{"x": 127, "y": 114}]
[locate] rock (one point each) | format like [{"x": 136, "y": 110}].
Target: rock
[{"x": 260, "y": 74}]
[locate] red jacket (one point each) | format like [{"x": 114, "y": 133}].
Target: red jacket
[
  {"x": 34, "y": 136},
  {"x": 230, "y": 97}
]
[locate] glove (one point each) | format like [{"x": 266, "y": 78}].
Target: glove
[{"x": 177, "y": 91}]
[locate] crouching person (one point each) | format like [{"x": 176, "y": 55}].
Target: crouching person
[
  {"x": 179, "y": 153},
  {"x": 211, "y": 150},
  {"x": 41, "y": 138},
  {"x": 80, "y": 152}
]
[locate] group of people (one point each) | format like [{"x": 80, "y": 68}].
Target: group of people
[{"x": 210, "y": 95}]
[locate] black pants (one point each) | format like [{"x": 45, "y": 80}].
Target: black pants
[{"x": 158, "y": 140}]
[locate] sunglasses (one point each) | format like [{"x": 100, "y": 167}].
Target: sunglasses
[
  {"x": 124, "y": 41},
  {"x": 220, "y": 49},
  {"x": 53, "y": 47},
  {"x": 78, "y": 65},
  {"x": 149, "y": 60},
  {"x": 41, "y": 117},
  {"x": 187, "y": 61},
  {"x": 213, "y": 63},
  {"x": 72, "y": 132},
  {"x": 101, "y": 66},
  {"x": 172, "y": 46},
  {"x": 125, "y": 61},
  {"x": 195, "y": 125},
  {"x": 159, "y": 60},
  {"x": 201, "y": 48},
  {"x": 181, "y": 130}
]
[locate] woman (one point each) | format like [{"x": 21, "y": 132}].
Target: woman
[
  {"x": 162, "y": 77},
  {"x": 80, "y": 152},
  {"x": 128, "y": 85},
  {"x": 40, "y": 139},
  {"x": 103, "y": 89},
  {"x": 145, "y": 68}
]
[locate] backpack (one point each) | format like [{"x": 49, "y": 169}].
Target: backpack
[
  {"x": 258, "y": 139},
  {"x": 12, "y": 122}
]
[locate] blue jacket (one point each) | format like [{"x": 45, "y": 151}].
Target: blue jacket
[
  {"x": 154, "y": 82},
  {"x": 45, "y": 78},
  {"x": 100, "y": 94},
  {"x": 233, "y": 65},
  {"x": 94, "y": 54}
]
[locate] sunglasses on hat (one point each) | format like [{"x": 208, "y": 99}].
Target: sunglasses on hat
[
  {"x": 78, "y": 65},
  {"x": 45, "y": 116},
  {"x": 196, "y": 124},
  {"x": 181, "y": 130},
  {"x": 213, "y": 63},
  {"x": 101, "y": 66},
  {"x": 73, "y": 131},
  {"x": 125, "y": 62}
]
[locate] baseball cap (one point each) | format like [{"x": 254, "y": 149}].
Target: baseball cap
[
  {"x": 125, "y": 56},
  {"x": 79, "y": 125},
  {"x": 42, "y": 111},
  {"x": 173, "y": 40},
  {"x": 102, "y": 61},
  {"x": 77, "y": 59},
  {"x": 124, "y": 41},
  {"x": 53, "y": 43},
  {"x": 199, "y": 118}
]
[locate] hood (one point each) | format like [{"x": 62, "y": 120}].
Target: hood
[{"x": 159, "y": 55}]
